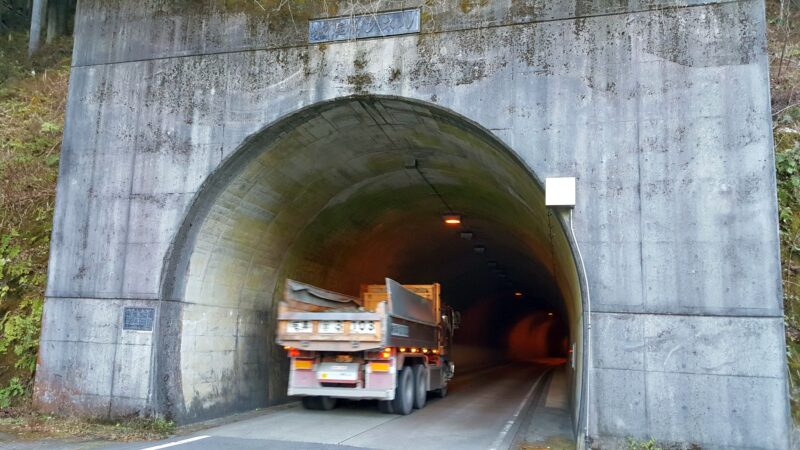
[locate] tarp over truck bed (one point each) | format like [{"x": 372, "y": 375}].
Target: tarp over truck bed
[{"x": 313, "y": 298}]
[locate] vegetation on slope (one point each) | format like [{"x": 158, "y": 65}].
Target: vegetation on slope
[
  {"x": 32, "y": 101},
  {"x": 784, "y": 51}
]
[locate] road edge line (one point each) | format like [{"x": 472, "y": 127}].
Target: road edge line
[
  {"x": 173, "y": 444},
  {"x": 510, "y": 423}
]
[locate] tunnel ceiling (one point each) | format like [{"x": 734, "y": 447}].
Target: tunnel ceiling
[{"x": 332, "y": 196}]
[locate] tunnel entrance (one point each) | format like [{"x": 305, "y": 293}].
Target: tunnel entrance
[{"x": 349, "y": 192}]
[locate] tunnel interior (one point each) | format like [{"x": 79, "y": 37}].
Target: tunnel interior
[{"x": 350, "y": 192}]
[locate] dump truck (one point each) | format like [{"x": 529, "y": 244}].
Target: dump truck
[{"x": 391, "y": 344}]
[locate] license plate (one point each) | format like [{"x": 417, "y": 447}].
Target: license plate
[
  {"x": 331, "y": 327},
  {"x": 338, "y": 376},
  {"x": 338, "y": 372},
  {"x": 362, "y": 327},
  {"x": 299, "y": 326}
]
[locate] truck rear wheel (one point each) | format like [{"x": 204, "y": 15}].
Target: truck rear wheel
[
  {"x": 403, "y": 402},
  {"x": 310, "y": 403},
  {"x": 319, "y": 403},
  {"x": 446, "y": 375},
  {"x": 326, "y": 403},
  {"x": 420, "y": 386},
  {"x": 386, "y": 406}
]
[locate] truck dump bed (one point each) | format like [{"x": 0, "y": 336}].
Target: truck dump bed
[{"x": 390, "y": 315}]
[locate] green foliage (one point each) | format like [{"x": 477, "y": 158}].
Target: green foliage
[
  {"x": 32, "y": 97},
  {"x": 787, "y": 171},
  {"x": 787, "y": 165},
  {"x": 19, "y": 327},
  {"x": 15, "y": 269},
  {"x": 156, "y": 425},
  {"x": 651, "y": 444},
  {"x": 14, "y": 56},
  {"x": 20, "y": 333},
  {"x": 14, "y": 389},
  {"x": 13, "y": 14},
  {"x": 51, "y": 128}
]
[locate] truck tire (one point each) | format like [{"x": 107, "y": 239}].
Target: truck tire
[
  {"x": 420, "y": 386},
  {"x": 446, "y": 375},
  {"x": 326, "y": 403},
  {"x": 311, "y": 403},
  {"x": 386, "y": 406},
  {"x": 319, "y": 403},
  {"x": 403, "y": 402},
  {"x": 442, "y": 391}
]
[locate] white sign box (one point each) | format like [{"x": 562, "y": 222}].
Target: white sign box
[{"x": 559, "y": 191}]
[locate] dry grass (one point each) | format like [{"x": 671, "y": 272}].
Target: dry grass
[
  {"x": 25, "y": 424},
  {"x": 551, "y": 444},
  {"x": 32, "y": 114}
]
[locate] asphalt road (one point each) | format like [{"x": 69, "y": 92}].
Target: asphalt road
[{"x": 482, "y": 411}]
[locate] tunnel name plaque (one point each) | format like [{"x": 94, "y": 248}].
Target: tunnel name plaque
[
  {"x": 392, "y": 23},
  {"x": 138, "y": 319}
]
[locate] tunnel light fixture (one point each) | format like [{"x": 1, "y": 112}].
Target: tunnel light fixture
[
  {"x": 518, "y": 294},
  {"x": 451, "y": 219},
  {"x": 479, "y": 249},
  {"x": 467, "y": 235},
  {"x": 550, "y": 314}
]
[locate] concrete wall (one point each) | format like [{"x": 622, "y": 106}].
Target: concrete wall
[{"x": 661, "y": 109}]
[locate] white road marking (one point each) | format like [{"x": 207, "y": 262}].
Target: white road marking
[
  {"x": 497, "y": 442},
  {"x": 173, "y": 444}
]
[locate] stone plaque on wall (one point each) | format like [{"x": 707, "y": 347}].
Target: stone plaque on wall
[
  {"x": 138, "y": 319},
  {"x": 391, "y": 23}
]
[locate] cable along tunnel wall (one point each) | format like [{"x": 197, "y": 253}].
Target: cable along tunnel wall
[{"x": 339, "y": 194}]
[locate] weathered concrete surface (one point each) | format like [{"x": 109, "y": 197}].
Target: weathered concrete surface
[{"x": 660, "y": 109}]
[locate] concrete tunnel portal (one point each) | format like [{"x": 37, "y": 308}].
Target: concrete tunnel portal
[{"x": 348, "y": 192}]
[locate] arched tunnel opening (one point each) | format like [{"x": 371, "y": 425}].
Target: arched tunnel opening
[{"x": 347, "y": 193}]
